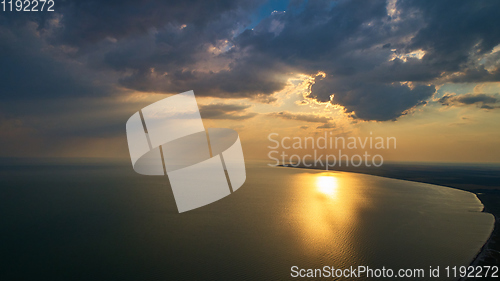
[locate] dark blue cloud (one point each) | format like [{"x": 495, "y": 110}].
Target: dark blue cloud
[
  {"x": 366, "y": 50},
  {"x": 483, "y": 101}
]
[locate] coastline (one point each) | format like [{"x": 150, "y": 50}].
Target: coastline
[
  {"x": 483, "y": 254},
  {"x": 452, "y": 177}
]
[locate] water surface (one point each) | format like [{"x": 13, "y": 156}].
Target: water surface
[{"x": 87, "y": 221}]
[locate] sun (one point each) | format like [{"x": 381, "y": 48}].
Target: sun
[{"x": 327, "y": 185}]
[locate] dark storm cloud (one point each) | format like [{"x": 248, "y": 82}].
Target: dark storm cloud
[
  {"x": 90, "y": 21},
  {"x": 29, "y": 70},
  {"x": 247, "y": 78},
  {"x": 226, "y": 111},
  {"x": 453, "y": 29},
  {"x": 373, "y": 101},
  {"x": 88, "y": 48},
  {"x": 368, "y": 50},
  {"x": 481, "y": 100},
  {"x": 166, "y": 55},
  {"x": 300, "y": 117}
]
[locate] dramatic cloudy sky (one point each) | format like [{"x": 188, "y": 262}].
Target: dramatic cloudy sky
[{"x": 424, "y": 71}]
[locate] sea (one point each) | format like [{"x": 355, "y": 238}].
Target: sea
[{"x": 94, "y": 219}]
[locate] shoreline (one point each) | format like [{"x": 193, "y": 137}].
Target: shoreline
[{"x": 483, "y": 253}]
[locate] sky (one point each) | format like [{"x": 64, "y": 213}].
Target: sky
[{"x": 425, "y": 72}]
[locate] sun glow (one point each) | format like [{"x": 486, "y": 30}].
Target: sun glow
[
  {"x": 327, "y": 185},
  {"x": 326, "y": 212}
]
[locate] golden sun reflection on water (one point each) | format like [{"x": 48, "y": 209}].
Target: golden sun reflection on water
[
  {"x": 327, "y": 185},
  {"x": 326, "y": 212}
]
